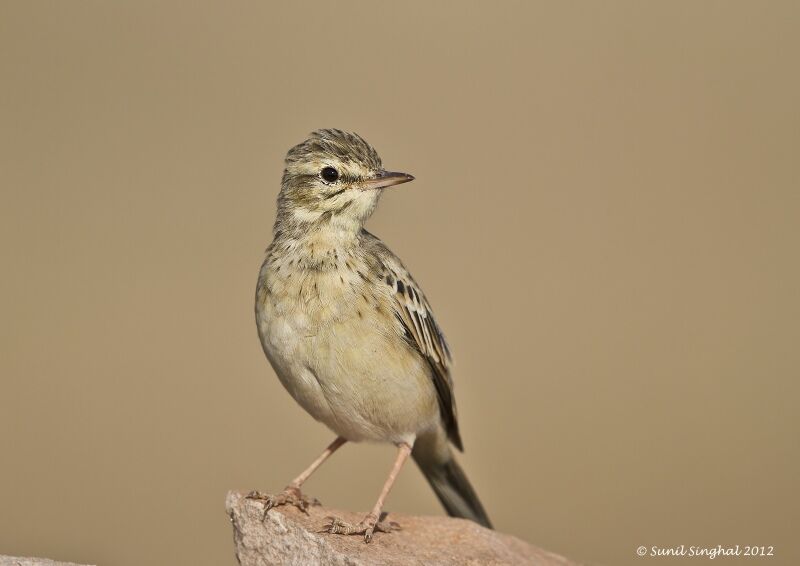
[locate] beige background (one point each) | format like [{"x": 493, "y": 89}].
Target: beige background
[{"x": 605, "y": 219}]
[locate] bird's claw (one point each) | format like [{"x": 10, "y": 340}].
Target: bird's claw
[
  {"x": 367, "y": 527},
  {"x": 289, "y": 496}
]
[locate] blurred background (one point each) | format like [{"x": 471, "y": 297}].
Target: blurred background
[{"x": 605, "y": 219}]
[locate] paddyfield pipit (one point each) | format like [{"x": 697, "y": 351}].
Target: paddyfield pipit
[{"x": 349, "y": 332}]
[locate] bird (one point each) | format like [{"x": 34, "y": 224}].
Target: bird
[{"x": 349, "y": 332}]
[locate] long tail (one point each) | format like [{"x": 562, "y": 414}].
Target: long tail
[{"x": 433, "y": 455}]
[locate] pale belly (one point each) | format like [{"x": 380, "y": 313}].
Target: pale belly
[{"x": 348, "y": 368}]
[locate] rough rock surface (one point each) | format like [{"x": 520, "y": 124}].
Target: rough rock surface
[
  {"x": 288, "y": 536},
  {"x": 19, "y": 561}
]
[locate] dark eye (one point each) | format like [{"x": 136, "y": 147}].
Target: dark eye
[{"x": 330, "y": 174}]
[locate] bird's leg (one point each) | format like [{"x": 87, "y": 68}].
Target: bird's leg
[
  {"x": 372, "y": 522},
  {"x": 291, "y": 495}
]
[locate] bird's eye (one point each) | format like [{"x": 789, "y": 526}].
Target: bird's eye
[{"x": 329, "y": 174}]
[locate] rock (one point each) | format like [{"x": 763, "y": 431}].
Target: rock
[
  {"x": 18, "y": 561},
  {"x": 288, "y": 536}
]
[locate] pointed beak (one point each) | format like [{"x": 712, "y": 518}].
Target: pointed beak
[{"x": 387, "y": 179}]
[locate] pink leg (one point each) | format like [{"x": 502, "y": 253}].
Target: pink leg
[
  {"x": 292, "y": 495},
  {"x": 371, "y": 522},
  {"x": 332, "y": 447}
]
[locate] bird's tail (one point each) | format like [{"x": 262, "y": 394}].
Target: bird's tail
[{"x": 433, "y": 455}]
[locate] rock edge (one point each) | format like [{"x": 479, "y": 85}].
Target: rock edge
[
  {"x": 27, "y": 561},
  {"x": 288, "y": 536}
]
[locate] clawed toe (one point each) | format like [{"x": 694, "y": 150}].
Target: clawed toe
[
  {"x": 368, "y": 526},
  {"x": 289, "y": 496}
]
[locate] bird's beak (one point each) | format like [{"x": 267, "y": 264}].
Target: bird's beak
[{"x": 387, "y": 179}]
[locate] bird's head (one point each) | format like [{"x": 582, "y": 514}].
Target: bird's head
[{"x": 333, "y": 177}]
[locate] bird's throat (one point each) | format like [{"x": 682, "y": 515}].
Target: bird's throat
[{"x": 317, "y": 246}]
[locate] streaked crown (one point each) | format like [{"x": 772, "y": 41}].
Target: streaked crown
[
  {"x": 336, "y": 145},
  {"x": 335, "y": 178}
]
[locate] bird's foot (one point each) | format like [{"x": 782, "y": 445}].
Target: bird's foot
[
  {"x": 289, "y": 496},
  {"x": 367, "y": 527}
]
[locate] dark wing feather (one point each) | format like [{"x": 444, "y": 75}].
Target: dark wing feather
[{"x": 414, "y": 313}]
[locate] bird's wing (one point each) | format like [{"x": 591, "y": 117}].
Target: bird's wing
[{"x": 415, "y": 316}]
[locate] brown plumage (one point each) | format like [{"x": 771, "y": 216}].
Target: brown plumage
[{"x": 347, "y": 329}]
